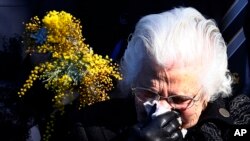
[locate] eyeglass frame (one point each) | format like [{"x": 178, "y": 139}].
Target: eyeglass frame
[{"x": 189, "y": 105}]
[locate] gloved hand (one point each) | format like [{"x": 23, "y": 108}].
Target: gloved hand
[{"x": 164, "y": 127}]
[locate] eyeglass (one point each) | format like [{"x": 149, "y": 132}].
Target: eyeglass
[{"x": 176, "y": 101}]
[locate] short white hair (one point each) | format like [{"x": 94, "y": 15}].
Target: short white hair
[{"x": 181, "y": 37}]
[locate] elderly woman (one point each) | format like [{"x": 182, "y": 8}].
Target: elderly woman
[
  {"x": 176, "y": 86},
  {"x": 175, "y": 61},
  {"x": 178, "y": 60}
]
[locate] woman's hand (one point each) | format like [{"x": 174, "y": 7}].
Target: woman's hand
[{"x": 164, "y": 127}]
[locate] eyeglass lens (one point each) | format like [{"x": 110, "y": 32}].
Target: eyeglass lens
[
  {"x": 146, "y": 95},
  {"x": 176, "y": 100}
]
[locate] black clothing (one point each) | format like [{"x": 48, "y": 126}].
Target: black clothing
[
  {"x": 112, "y": 121},
  {"x": 104, "y": 121},
  {"x": 215, "y": 124}
]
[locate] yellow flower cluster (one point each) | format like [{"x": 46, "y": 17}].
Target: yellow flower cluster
[{"x": 73, "y": 67}]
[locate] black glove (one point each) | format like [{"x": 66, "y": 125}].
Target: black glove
[{"x": 164, "y": 127}]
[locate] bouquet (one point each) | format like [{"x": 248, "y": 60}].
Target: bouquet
[{"x": 72, "y": 69}]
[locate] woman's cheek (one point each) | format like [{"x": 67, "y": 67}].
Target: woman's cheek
[{"x": 190, "y": 117}]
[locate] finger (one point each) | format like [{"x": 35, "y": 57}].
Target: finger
[
  {"x": 177, "y": 136},
  {"x": 177, "y": 113},
  {"x": 164, "y": 119},
  {"x": 171, "y": 127}
]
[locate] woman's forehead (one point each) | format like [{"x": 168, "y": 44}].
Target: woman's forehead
[
  {"x": 179, "y": 77},
  {"x": 182, "y": 75}
]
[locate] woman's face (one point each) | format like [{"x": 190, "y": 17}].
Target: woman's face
[{"x": 171, "y": 83}]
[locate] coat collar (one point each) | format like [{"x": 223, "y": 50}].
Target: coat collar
[{"x": 216, "y": 111}]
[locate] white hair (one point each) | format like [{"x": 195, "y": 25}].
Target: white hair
[{"x": 179, "y": 38}]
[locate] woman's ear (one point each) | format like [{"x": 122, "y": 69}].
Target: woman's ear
[{"x": 204, "y": 105}]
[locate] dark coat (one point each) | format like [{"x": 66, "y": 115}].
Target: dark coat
[{"x": 112, "y": 120}]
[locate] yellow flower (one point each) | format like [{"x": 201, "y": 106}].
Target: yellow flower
[{"x": 73, "y": 66}]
